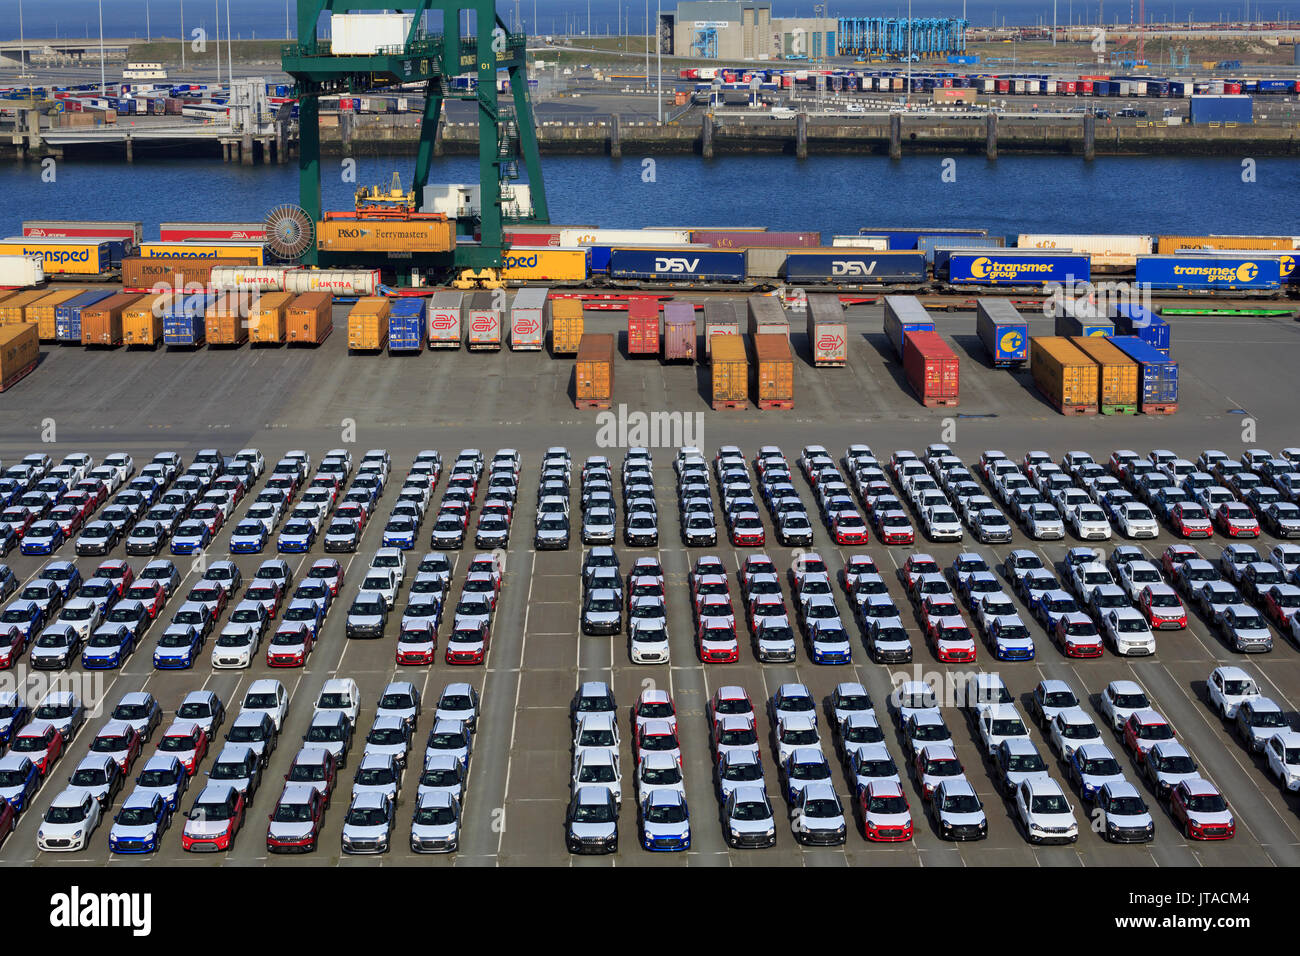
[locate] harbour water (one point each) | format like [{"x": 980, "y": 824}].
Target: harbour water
[{"x": 833, "y": 194}]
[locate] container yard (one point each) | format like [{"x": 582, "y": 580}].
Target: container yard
[
  {"x": 773, "y": 372},
  {"x": 406, "y": 325},
  {"x": 268, "y": 318},
  {"x": 642, "y": 326},
  {"x": 933, "y": 371}
]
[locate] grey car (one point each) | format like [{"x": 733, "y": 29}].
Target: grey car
[
  {"x": 368, "y": 826},
  {"x": 591, "y": 822},
  {"x": 435, "y": 826},
  {"x": 747, "y": 817}
]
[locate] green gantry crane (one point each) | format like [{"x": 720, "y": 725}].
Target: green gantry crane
[{"x": 506, "y": 132}]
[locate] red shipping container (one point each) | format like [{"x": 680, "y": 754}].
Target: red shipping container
[
  {"x": 1085, "y": 86},
  {"x": 741, "y": 239},
  {"x": 1003, "y": 86},
  {"x": 932, "y": 368},
  {"x": 642, "y": 326}
]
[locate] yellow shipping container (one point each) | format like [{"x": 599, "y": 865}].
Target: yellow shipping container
[
  {"x": 368, "y": 324},
  {"x": 19, "y": 351},
  {"x": 13, "y": 310},
  {"x": 1169, "y": 245},
  {"x": 42, "y": 312},
  {"x": 566, "y": 326},
  {"x": 1065, "y": 376},
  {"x": 730, "y": 370},
  {"x": 204, "y": 250},
  {"x": 266, "y": 319},
  {"x": 142, "y": 320},
  {"x": 364, "y": 235},
  {"x": 1117, "y": 375},
  {"x": 544, "y": 265}
]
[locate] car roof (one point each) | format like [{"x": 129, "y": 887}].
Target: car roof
[{"x": 1125, "y": 687}]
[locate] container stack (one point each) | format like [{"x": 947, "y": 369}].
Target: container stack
[
  {"x": 43, "y": 313},
  {"x": 1117, "y": 375},
  {"x": 1158, "y": 388},
  {"x": 310, "y": 319},
  {"x": 932, "y": 369},
  {"x": 406, "y": 319},
  {"x": 528, "y": 319},
  {"x": 1003, "y": 331},
  {"x": 566, "y": 326},
  {"x": 1063, "y": 375},
  {"x": 730, "y": 371},
  {"x": 828, "y": 333},
  {"x": 67, "y": 317},
  {"x": 1144, "y": 324},
  {"x": 368, "y": 324},
  {"x": 904, "y": 314},
  {"x": 268, "y": 317},
  {"x": 679, "y": 332},
  {"x": 642, "y": 326},
  {"x": 13, "y": 310},
  {"x": 594, "y": 371},
  {"x": 773, "y": 372}
]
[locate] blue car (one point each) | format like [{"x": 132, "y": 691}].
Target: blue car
[
  {"x": 20, "y": 778},
  {"x": 665, "y": 821},
  {"x": 295, "y": 537},
  {"x": 399, "y": 533},
  {"x": 804, "y": 765},
  {"x": 44, "y": 537},
  {"x": 103, "y": 591},
  {"x": 306, "y": 611},
  {"x": 108, "y": 647},
  {"x": 190, "y": 537},
  {"x": 8, "y": 582},
  {"x": 164, "y": 775},
  {"x": 138, "y": 827},
  {"x": 1050, "y": 607},
  {"x": 14, "y": 713},
  {"x": 178, "y": 647},
  {"x": 1010, "y": 640},
  {"x": 249, "y": 537},
  {"x": 63, "y": 573},
  {"x": 25, "y": 616}
]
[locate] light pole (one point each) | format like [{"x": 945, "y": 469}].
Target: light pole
[
  {"x": 103, "y": 83},
  {"x": 217, "y": 40},
  {"x": 909, "y": 51},
  {"x": 659, "y": 65},
  {"x": 647, "y": 46},
  {"x": 182, "y": 36},
  {"x": 148, "y": 28},
  {"x": 230, "y": 76},
  {"x": 1053, "y": 22}
]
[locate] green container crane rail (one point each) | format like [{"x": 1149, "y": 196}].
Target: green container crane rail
[{"x": 506, "y": 132}]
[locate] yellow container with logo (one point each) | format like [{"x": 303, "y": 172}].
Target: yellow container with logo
[
  {"x": 544, "y": 265},
  {"x": 204, "y": 250},
  {"x": 61, "y": 256}
]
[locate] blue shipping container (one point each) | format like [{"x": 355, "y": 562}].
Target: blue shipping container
[
  {"x": 930, "y": 244},
  {"x": 1159, "y": 372},
  {"x": 1003, "y": 331},
  {"x": 184, "y": 322},
  {"x": 852, "y": 267},
  {"x": 1141, "y": 323},
  {"x": 1234, "y": 108},
  {"x": 705, "y": 265},
  {"x": 406, "y": 320},
  {"x": 1010, "y": 268},
  {"x": 1209, "y": 272},
  {"x": 67, "y": 317},
  {"x": 907, "y": 238}
]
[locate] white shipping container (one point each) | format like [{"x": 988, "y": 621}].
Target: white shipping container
[
  {"x": 877, "y": 243},
  {"x": 362, "y": 34},
  {"x": 1114, "y": 251},
  {"x": 988, "y": 85},
  {"x": 1049, "y": 87},
  {"x": 528, "y": 314},
  {"x": 344, "y": 282},
  {"x": 484, "y": 325},
  {"x": 624, "y": 237},
  {"x": 21, "y": 272},
  {"x": 445, "y": 311},
  {"x": 263, "y": 278}
]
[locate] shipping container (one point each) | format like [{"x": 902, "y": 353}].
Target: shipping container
[
  {"x": 720, "y": 318},
  {"x": 343, "y": 282},
  {"x": 1006, "y": 267},
  {"x": 828, "y": 332},
  {"x": 225, "y": 321},
  {"x": 252, "y": 251},
  {"x": 142, "y": 320},
  {"x": 766, "y": 263},
  {"x": 1106, "y": 252},
  {"x": 1158, "y": 392},
  {"x": 593, "y": 371},
  {"x": 878, "y": 243},
  {"x": 368, "y": 324},
  {"x": 21, "y": 272},
  {"x": 929, "y": 245},
  {"x": 20, "y": 349},
  {"x": 1081, "y": 318},
  {"x": 43, "y": 312},
  {"x": 184, "y": 320},
  {"x": 563, "y": 266},
  {"x": 767, "y": 316},
  {"x": 158, "y": 275},
  {"x": 746, "y": 239},
  {"x": 687, "y": 267},
  {"x": 260, "y": 278},
  {"x": 730, "y": 370},
  {"x": 907, "y": 238},
  {"x": 131, "y": 233},
  {"x": 566, "y": 326},
  {"x": 853, "y": 267},
  {"x": 1141, "y": 322},
  {"x": 268, "y": 318},
  {"x": 483, "y": 318},
  {"x": 642, "y": 326},
  {"x": 446, "y": 317},
  {"x": 13, "y": 310},
  {"x": 406, "y": 324},
  {"x": 1003, "y": 331},
  {"x": 365, "y": 34},
  {"x": 574, "y": 236},
  {"x": 1208, "y": 272},
  {"x": 903, "y": 314},
  {"x": 932, "y": 369},
  {"x": 1117, "y": 375},
  {"x": 79, "y": 257},
  {"x": 528, "y": 319},
  {"x": 379, "y": 235},
  {"x": 310, "y": 318},
  {"x": 773, "y": 372},
  {"x": 211, "y": 232},
  {"x": 1215, "y": 110},
  {"x": 679, "y": 332},
  {"x": 1169, "y": 245},
  {"x": 101, "y": 323},
  {"x": 67, "y": 317},
  {"x": 1063, "y": 375}
]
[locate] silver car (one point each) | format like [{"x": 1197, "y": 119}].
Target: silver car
[
  {"x": 368, "y": 826},
  {"x": 435, "y": 827},
  {"x": 747, "y": 817}
]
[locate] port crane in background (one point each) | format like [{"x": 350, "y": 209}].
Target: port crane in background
[{"x": 507, "y": 134}]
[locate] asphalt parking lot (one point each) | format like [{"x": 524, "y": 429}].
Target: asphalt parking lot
[{"x": 1236, "y": 373}]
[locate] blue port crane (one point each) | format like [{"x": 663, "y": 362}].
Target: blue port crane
[{"x": 891, "y": 38}]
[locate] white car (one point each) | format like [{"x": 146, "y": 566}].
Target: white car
[
  {"x": 69, "y": 821},
  {"x": 1044, "y": 812},
  {"x": 941, "y": 524},
  {"x": 383, "y": 582},
  {"x": 340, "y": 695},
  {"x": 999, "y": 722},
  {"x": 599, "y": 766},
  {"x": 648, "y": 642},
  {"x": 269, "y": 697},
  {"x": 1283, "y": 754},
  {"x": 1128, "y": 632},
  {"x": 1089, "y": 523},
  {"x": 1120, "y": 698},
  {"x": 1229, "y": 687},
  {"x": 1072, "y": 728},
  {"x": 392, "y": 559},
  {"x": 658, "y": 771},
  {"x": 1136, "y": 575},
  {"x": 1085, "y": 578},
  {"x": 1043, "y": 523},
  {"x": 236, "y": 646}
]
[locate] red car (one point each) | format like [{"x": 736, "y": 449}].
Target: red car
[
  {"x": 1076, "y": 635},
  {"x": 1162, "y": 607},
  {"x": 18, "y": 518},
  {"x": 1189, "y": 520},
  {"x": 883, "y": 804},
  {"x": 728, "y": 701},
  {"x": 96, "y": 489},
  {"x": 149, "y": 593},
  {"x": 329, "y": 571},
  {"x": 1198, "y": 807},
  {"x": 290, "y": 645},
  {"x": 83, "y": 501},
  {"x": 187, "y": 741},
  {"x": 893, "y": 527},
  {"x": 421, "y": 644},
  {"x": 213, "y": 595},
  {"x": 953, "y": 641},
  {"x": 849, "y": 528},
  {"x": 706, "y": 586},
  {"x": 755, "y": 564},
  {"x": 468, "y": 645},
  {"x": 1144, "y": 729},
  {"x": 210, "y": 515},
  {"x": 656, "y": 736},
  {"x": 916, "y": 565},
  {"x": 306, "y": 807},
  {"x": 747, "y": 532},
  {"x": 1175, "y": 555},
  {"x": 8, "y": 818},
  {"x": 268, "y": 593},
  {"x": 764, "y": 605},
  {"x": 12, "y": 645},
  {"x": 215, "y": 829},
  {"x": 716, "y": 641},
  {"x": 121, "y": 740},
  {"x": 68, "y": 518},
  {"x": 1281, "y": 602},
  {"x": 1236, "y": 520},
  {"x": 353, "y": 512},
  {"x": 935, "y": 608},
  {"x": 41, "y": 742},
  {"x": 117, "y": 570}
]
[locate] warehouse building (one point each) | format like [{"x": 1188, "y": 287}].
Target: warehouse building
[{"x": 744, "y": 30}]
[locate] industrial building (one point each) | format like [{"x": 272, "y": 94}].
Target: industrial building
[{"x": 744, "y": 29}]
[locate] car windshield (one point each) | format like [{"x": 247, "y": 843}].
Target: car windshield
[
  {"x": 246, "y": 733},
  {"x": 175, "y": 744},
  {"x": 376, "y": 776},
  {"x": 325, "y": 733},
  {"x": 593, "y": 813},
  {"x": 59, "y": 814},
  {"x": 292, "y": 812},
  {"x": 1206, "y": 803},
  {"x": 368, "y": 608},
  {"x": 228, "y": 771},
  {"x": 176, "y": 639},
  {"x": 1101, "y": 767},
  {"x": 386, "y": 736},
  {"x": 89, "y": 777},
  {"x": 665, "y": 813},
  {"x": 811, "y": 770},
  {"x": 1049, "y": 803},
  {"x": 961, "y": 803},
  {"x": 159, "y": 778},
  {"x": 106, "y": 639},
  {"x": 79, "y": 613}
]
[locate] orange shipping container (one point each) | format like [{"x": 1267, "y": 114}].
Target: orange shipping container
[
  {"x": 367, "y": 235},
  {"x": 142, "y": 321},
  {"x": 1169, "y": 245},
  {"x": 730, "y": 371},
  {"x": 19, "y": 350},
  {"x": 224, "y": 321},
  {"x": 368, "y": 324},
  {"x": 310, "y": 318},
  {"x": 1065, "y": 376},
  {"x": 773, "y": 371},
  {"x": 194, "y": 274},
  {"x": 41, "y": 313},
  {"x": 1117, "y": 375},
  {"x": 593, "y": 371},
  {"x": 566, "y": 326},
  {"x": 266, "y": 319},
  {"x": 101, "y": 323},
  {"x": 13, "y": 310}
]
